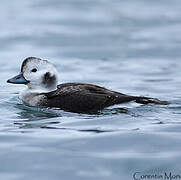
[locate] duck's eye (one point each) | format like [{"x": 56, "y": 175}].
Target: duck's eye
[{"x": 34, "y": 70}]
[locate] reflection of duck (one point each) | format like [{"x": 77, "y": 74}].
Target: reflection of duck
[{"x": 41, "y": 78}]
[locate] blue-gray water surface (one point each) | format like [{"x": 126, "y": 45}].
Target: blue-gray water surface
[{"x": 128, "y": 46}]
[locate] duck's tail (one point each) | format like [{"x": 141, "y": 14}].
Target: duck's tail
[
  {"x": 123, "y": 98},
  {"x": 148, "y": 100}
]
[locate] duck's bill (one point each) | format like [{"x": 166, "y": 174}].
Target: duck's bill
[{"x": 19, "y": 79}]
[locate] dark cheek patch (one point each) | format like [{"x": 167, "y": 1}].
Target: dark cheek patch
[{"x": 48, "y": 80}]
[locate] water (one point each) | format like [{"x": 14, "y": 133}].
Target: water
[{"x": 131, "y": 47}]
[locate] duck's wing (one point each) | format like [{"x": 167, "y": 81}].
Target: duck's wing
[{"x": 79, "y": 97}]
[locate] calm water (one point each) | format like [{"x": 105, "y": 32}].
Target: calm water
[{"x": 128, "y": 46}]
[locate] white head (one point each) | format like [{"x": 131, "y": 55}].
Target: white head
[{"x": 39, "y": 75}]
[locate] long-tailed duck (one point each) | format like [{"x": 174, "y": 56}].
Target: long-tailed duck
[{"x": 42, "y": 90}]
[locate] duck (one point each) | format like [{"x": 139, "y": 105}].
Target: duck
[{"x": 41, "y": 78}]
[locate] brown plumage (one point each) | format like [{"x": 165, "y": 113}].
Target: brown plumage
[{"x": 82, "y": 98}]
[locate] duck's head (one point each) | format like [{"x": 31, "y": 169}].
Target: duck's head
[{"x": 37, "y": 74}]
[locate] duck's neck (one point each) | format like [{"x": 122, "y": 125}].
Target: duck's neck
[
  {"x": 39, "y": 90},
  {"x": 31, "y": 96}
]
